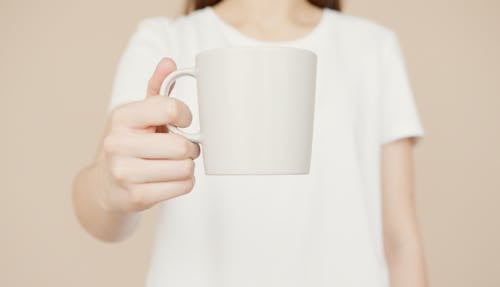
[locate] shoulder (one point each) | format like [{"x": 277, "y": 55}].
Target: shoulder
[
  {"x": 162, "y": 25},
  {"x": 159, "y": 23},
  {"x": 359, "y": 25},
  {"x": 360, "y": 31},
  {"x": 171, "y": 35}
]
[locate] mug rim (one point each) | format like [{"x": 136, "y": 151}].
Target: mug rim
[{"x": 261, "y": 48}]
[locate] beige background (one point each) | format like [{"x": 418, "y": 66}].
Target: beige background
[{"x": 57, "y": 61}]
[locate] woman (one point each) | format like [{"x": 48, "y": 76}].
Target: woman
[{"x": 350, "y": 222}]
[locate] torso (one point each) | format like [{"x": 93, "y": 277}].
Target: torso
[{"x": 320, "y": 229}]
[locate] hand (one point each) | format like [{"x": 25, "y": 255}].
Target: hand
[{"x": 144, "y": 163}]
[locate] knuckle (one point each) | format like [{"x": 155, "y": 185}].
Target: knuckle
[
  {"x": 184, "y": 148},
  {"x": 118, "y": 172},
  {"x": 188, "y": 185},
  {"x": 111, "y": 144},
  {"x": 198, "y": 150},
  {"x": 137, "y": 199},
  {"x": 187, "y": 168}
]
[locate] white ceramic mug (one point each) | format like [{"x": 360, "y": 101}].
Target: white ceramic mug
[{"x": 256, "y": 109}]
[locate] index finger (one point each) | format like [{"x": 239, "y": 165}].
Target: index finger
[{"x": 152, "y": 111}]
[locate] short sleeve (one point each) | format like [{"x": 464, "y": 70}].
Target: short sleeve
[
  {"x": 145, "y": 48},
  {"x": 399, "y": 116}
]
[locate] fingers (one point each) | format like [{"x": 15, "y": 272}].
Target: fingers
[
  {"x": 160, "y": 191},
  {"x": 145, "y": 165},
  {"x": 153, "y": 111},
  {"x": 152, "y": 146},
  {"x": 144, "y": 196},
  {"x": 163, "y": 69},
  {"x": 139, "y": 171}
]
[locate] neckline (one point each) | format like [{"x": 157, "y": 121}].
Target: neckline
[{"x": 236, "y": 34}]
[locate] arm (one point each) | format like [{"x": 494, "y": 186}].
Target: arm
[{"x": 403, "y": 245}]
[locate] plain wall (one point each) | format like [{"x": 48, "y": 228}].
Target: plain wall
[{"x": 57, "y": 62}]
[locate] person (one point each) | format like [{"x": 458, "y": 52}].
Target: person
[{"x": 350, "y": 222}]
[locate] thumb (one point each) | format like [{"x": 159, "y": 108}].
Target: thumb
[{"x": 163, "y": 69}]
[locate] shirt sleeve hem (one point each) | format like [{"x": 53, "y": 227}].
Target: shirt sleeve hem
[{"x": 402, "y": 131}]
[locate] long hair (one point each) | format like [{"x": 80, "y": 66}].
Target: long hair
[{"x": 199, "y": 4}]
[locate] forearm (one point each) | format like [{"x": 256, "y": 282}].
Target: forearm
[
  {"x": 99, "y": 221},
  {"x": 406, "y": 262},
  {"x": 402, "y": 241}
]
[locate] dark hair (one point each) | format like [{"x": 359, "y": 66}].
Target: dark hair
[{"x": 199, "y": 4}]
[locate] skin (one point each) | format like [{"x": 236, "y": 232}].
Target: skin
[
  {"x": 138, "y": 164},
  {"x": 402, "y": 240},
  {"x": 108, "y": 198}
]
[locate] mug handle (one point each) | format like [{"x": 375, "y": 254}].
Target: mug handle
[{"x": 191, "y": 72}]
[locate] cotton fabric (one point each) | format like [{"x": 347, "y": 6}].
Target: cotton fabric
[{"x": 320, "y": 229}]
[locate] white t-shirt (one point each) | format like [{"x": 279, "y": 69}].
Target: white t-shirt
[{"x": 320, "y": 229}]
